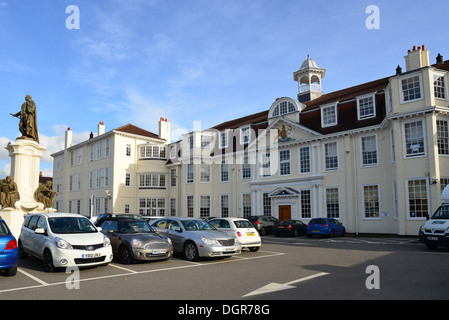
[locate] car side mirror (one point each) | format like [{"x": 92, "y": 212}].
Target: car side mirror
[
  {"x": 40, "y": 231},
  {"x": 178, "y": 229},
  {"x": 111, "y": 232}
]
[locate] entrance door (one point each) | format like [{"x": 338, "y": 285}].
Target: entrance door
[{"x": 285, "y": 213}]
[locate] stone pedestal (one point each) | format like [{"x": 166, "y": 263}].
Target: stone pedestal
[{"x": 25, "y": 161}]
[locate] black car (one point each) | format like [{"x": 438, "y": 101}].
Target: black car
[
  {"x": 290, "y": 227},
  {"x": 263, "y": 224}
]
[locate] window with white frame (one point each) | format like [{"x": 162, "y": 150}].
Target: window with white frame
[
  {"x": 411, "y": 89},
  {"x": 99, "y": 149},
  {"x": 246, "y": 204},
  {"x": 266, "y": 202},
  {"x": 418, "y": 205},
  {"x": 329, "y": 115},
  {"x": 107, "y": 150},
  {"x": 245, "y": 135},
  {"x": 91, "y": 153},
  {"x": 246, "y": 169},
  {"x": 152, "y": 207},
  {"x": 439, "y": 87},
  {"x": 224, "y": 171},
  {"x": 266, "y": 164},
  {"x": 332, "y": 203},
  {"x": 152, "y": 152},
  {"x": 369, "y": 151},
  {"x": 128, "y": 150},
  {"x": 304, "y": 160},
  {"x": 389, "y": 99},
  {"x": 99, "y": 178},
  {"x": 206, "y": 141},
  {"x": 284, "y": 162},
  {"x": 442, "y": 137},
  {"x": 331, "y": 156},
  {"x": 106, "y": 177},
  {"x": 224, "y": 139},
  {"x": 371, "y": 201},
  {"x": 204, "y": 206},
  {"x": 190, "y": 206},
  {"x": 173, "y": 151},
  {"x": 80, "y": 156},
  {"x": 366, "y": 107},
  {"x": 306, "y": 204},
  {"x": 283, "y": 107},
  {"x": 414, "y": 138},
  {"x": 173, "y": 207},
  {"x": 127, "y": 180},
  {"x": 152, "y": 180},
  {"x": 173, "y": 177},
  {"x": 189, "y": 173},
  {"x": 205, "y": 172},
  {"x": 191, "y": 144},
  {"x": 224, "y": 205}
]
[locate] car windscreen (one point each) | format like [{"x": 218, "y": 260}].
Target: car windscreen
[
  {"x": 71, "y": 225},
  {"x": 4, "y": 231},
  {"x": 196, "y": 225},
  {"x": 134, "y": 226},
  {"x": 441, "y": 213},
  {"x": 318, "y": 221},
  {"x": 243, "y": 224}
]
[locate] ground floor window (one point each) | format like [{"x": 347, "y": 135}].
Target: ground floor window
[
  {"x": 371, "y": 201},
  {"x": 417, "y": 198},
  {"x": 246, "y": 199},
  {"x": 224, "y": 206},
  {"x": 266, "y": 204},
  {"x": 152, "y": 207},
  {"x": 204, "y": 206},
  {"x": 306, "y": 204},
  {"x": 332, "y": 203}
]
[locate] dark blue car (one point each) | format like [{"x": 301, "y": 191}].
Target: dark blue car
[
  {"x": 325, "y": 227},
  {"x": 9, "y": 253}
]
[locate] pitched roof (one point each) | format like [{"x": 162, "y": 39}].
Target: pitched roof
[
  {"x": 130, "y": 128},
  {"x": 256, "y": 118}
]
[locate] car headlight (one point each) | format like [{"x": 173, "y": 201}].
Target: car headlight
[
  {"x": 62, "y": 244},
  {"x": 209, "y": 241},
  {"x": 169, "y": 241},
  {"x": 106, "y": 241},
  {"x": 136, "y": 243}
]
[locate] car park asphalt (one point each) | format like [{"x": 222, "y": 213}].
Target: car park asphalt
[{"x": 285, "y": 268}]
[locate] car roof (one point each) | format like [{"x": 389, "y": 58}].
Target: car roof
[{"x": 59, "y": 214}]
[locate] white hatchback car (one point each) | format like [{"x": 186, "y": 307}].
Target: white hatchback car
[
  {"x": 63, "y": 240},
  {"x": 240, "y": 228}
]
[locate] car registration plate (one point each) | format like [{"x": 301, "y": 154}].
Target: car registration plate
[
  {"x": 229, "y": 249},
  {"x": 250, "y": 234},
  {"x": 158, "y": 251},
  {"x": 90, "y": 255},
  {"x": 315, "y": 231},
  {"x": 281, "y": 227},
  {"x": 432, "y": 238}
]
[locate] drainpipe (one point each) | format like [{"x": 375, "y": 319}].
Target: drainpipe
[{"x": 355, "y": 186}]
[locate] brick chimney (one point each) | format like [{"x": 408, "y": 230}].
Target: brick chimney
[{"x": 417, "y": 58}]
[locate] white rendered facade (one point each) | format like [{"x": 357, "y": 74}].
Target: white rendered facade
[{"x": 375, "y": 156}]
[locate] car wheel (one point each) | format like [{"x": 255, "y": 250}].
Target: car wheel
[
  {"x": 254, "y": 249},
  {"x": 191, "y": 251},
  {"x": 22, "y": 253},
  {"x": 48, "y": 261},
  {"x": 11, "y": 271},
  {"x": 125, "y": 255},
  {"x": 296, "y": 233},
  {"x": 262, "y": 232},
  {"x": 331, "y": 233}
]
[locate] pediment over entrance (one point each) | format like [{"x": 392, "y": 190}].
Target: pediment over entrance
[{"x": 284, "y": 192}]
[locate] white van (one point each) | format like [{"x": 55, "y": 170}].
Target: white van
[{"x": 435, "y": 232}]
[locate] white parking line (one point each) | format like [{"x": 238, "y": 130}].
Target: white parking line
[
  {"x": 32, "y": 277},
  {"x": 130, "y": 272}
]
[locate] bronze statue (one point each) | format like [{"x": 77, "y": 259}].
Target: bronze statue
[
  {"x": 44, "y": 194},
  {"x": 9, "y": 193},
  {"x": 27, "y": 116}
]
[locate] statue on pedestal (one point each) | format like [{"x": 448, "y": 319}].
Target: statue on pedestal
[
  {"x": 9, "y": 193},
  {"x": 27, "y": 116},
  {"x": 45, "y": 195}
]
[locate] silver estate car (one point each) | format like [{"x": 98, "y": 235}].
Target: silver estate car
[
  {"x": 134, "y": 239},
  {"x": 196, "y": 238}
]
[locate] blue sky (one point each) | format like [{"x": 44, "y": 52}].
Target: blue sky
[{"x": 135, "y": 61}]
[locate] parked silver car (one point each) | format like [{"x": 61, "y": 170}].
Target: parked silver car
[
  {"x": 134, "y": 239},
  {"x": 196, "y": 238}
]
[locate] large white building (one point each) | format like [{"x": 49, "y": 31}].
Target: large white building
[{"x": 375, "y": 156}]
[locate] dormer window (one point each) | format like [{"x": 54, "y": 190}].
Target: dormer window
[
  {"x": 439, "y": 87},
  {"x": 411, "y": 89},
  {"x": 284, "y": 106},
  {"x": 366, "y": 107},
  {"x": 329, "y": 115}
]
